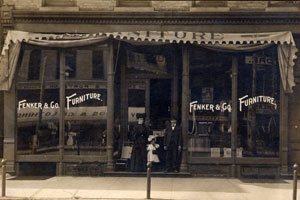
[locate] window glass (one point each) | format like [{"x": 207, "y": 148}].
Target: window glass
[
  {"x": 70, "y": 63},
  {"x": 210, "y": 104},
  {"x": 38, "y": 104},
  {"x": 34, "y": 65},
  {"x": 98, "y": 64},
  {"x": 259, "y": 104}
]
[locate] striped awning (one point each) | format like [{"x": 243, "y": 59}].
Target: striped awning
[{"x": 223, "y": 41}]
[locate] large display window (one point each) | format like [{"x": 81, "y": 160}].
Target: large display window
[
  {"x": 258, "y": 90},
  {"x": 38, "y": 101},
  {"x": 210, "y": 104},
  {"x": 259, "y": 104}
]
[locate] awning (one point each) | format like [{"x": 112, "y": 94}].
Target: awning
[{"x": 233, "y": 42}]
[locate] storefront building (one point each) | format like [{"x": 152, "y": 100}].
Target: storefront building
[{"x": 73, "y": 82}]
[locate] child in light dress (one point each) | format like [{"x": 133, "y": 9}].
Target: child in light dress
[{"x": 151, "y": 148}]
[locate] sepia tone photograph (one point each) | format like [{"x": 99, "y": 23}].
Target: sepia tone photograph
[{"x": 149, "y": 99}]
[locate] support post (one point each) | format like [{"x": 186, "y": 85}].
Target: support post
[
  {"x": 10, "y": 116},
  {"x": 110, "y": 108},
  {"x": 147, "y": 99},
  {"x": 148, "y": 182},
  {"x": 185, "y": 106},
  {"x": 295, "y": 182},
  {"x": 62, "y": 97},
  {"x": 3, "y": 163},
  {"x": 234, "y": 113},
  {"x": 283, "y": 128},
  {"x": 174, "y": 91},
  {"x": 124, "y": 100}
]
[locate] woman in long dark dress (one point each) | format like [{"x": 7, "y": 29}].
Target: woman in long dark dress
[{"x": 139, "y": 137}]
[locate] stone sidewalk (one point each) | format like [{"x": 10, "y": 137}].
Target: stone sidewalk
[{"x": 135, "y": 188}]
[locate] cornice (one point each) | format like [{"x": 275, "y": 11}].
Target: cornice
[{"x": 157, "y": 18}]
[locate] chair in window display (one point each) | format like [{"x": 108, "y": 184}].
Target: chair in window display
[{"x": 123, "y": 163}]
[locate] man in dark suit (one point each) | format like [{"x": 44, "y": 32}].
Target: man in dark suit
[{"x": 172, "y": 146}]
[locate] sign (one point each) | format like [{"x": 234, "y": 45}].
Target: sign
[
  {"x": 259, "y": 60},
  {"x": 147, "y": 62},
  {"x": 74, "y": 100},
  {"x": 74, "y": 113},
  {"x": 132, "y": 111},
  {"x": 245, "y": 101},
  {"x": 209, "y": 107},
  {"x": 71, "y": 100}
]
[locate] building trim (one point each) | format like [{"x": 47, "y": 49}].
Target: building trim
[{"x": 161, "y": 18}]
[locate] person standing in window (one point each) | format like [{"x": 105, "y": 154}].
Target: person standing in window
[
  {"x": 172, "y": 146},
  {"x": 139, "y": 138}
]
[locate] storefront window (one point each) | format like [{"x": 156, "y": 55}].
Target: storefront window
[
  {"x": 34, "y": 65},
  {"x": 38, "y": 97},
  {"x": 98, "y": 64},
  {"x": 210, "y": 104},
  {"x": 211, "y": 99},
  {"x": 259, "y": 104}
]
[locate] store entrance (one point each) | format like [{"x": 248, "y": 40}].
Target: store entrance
[
  {"x": 160, "y": 102},
  {"x": 160, "y": 107}
]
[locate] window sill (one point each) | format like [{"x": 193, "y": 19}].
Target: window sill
[{"x": 59, "y": 9}]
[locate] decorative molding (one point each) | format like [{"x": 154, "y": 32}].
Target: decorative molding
[
  {"x": 156, "y": 18},
  {"x": 6, "y": 21}
]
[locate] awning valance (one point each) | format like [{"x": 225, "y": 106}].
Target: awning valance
[{"x": 217, "y": 41}]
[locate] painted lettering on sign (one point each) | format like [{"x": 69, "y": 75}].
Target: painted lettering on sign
[
  {"x": 245, "y": 101},
  {"x": 24, "y": 104},
  {"x": 74, "y": 100},
  {"x": 71, "y": 100},
  {"x": 209, "y": 107},
  {"x": 173, "y": 35},
  {"x": 261, "y": 60}
]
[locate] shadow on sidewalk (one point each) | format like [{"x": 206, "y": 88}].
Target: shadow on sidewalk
[
  {"x": 257, "y": 180},
  {"x": 32, "y": 178}
]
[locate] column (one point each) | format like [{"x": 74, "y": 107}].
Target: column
[
  {"x": 147, "y": 99},
  {"x": 10, "y": 116},
  {"x": 62, "y": 97},
  {"x": 110, "y": 108},
  {"x": 185, "y": 106},
  {"x": 174, "y": 88},
  {"x": 124, "y": 99},
  {"x": 283, "y": 135},
  {"x": 234, "y": 85}
]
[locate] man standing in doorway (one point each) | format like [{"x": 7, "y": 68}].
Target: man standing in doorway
[{"x": 172, "y": 146}]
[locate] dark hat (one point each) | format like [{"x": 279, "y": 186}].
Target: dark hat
[
  {"x": 140, "y": 115},
  {"x": 173, "y": 119}
]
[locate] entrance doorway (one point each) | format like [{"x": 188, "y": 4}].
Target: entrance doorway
[
  {"x": 160, "y": 109},
  {"x": 160, "y": 102}
]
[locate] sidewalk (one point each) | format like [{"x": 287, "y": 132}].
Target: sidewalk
[{"x": 135, "y": 188}]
